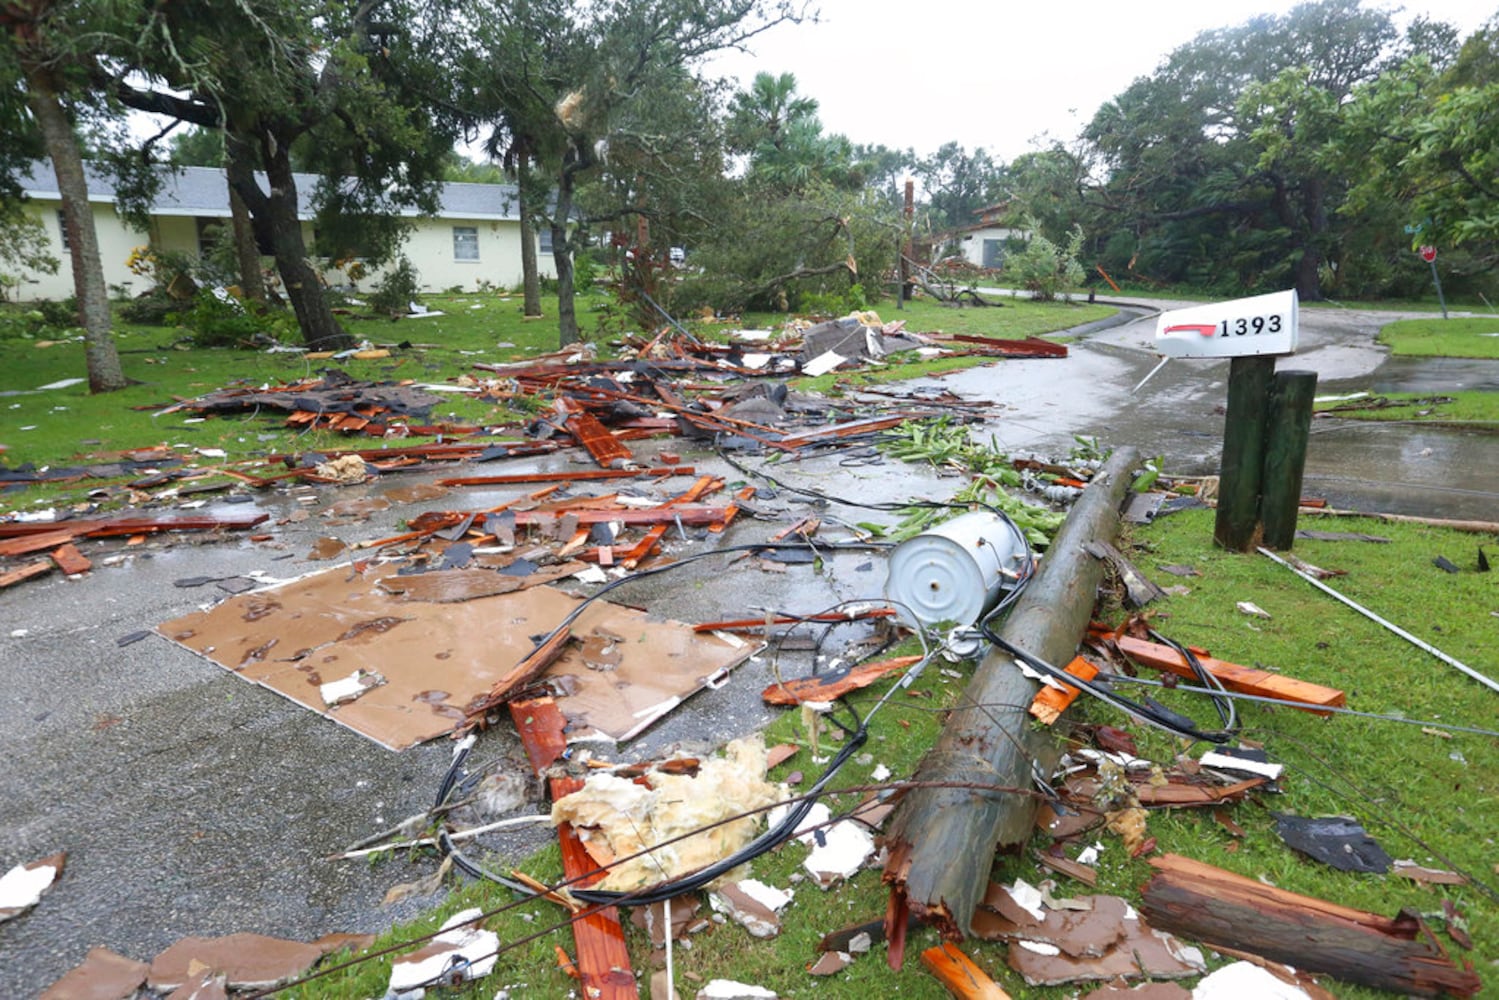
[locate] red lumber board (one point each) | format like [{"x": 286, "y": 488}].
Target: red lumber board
[
  {"x": 603, "y": 959},
  {"x": 1246, "y": 680}
]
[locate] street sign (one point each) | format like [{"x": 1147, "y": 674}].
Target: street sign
[
  {"x": 1429, "y": 254},
  {"x": 1261, "y": 324}
]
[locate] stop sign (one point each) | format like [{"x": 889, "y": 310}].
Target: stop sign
[{"x": 1428, "y": 254}]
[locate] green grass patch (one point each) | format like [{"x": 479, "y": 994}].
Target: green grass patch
[
  {"x": 1473, "y": 407},
  {"x": 1443, "y": 338}
]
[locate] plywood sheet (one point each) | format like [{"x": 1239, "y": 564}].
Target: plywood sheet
[{"x": 437, "y": 659}]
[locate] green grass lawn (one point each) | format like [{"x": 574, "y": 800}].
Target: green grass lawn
[
  {"x": 1465, "y": 408},
  {"x": 1443, "y": 338}
]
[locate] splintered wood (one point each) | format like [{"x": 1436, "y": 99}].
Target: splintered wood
[
  {"x": 603, "y": 959},
  {"x": 1218, "y": 907},
  {"x": 958, "y": 973}
]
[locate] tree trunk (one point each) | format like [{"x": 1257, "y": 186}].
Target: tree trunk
[
  {"x": 246, "y": 249},
  {"x": 102, "y": 359},
  {"x": 530, "y": 281},
  {"x": 276, "y": 213},
  {"x": 562, "y": 256}
]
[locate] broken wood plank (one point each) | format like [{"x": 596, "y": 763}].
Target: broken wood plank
[
  {"x": 137, "y": 524},
  {"x": 1050, "y": 702},
  {"x": 835, "y": 685},
  {"x": 1219, "y": 907},
  {"x": 959, "y": 975},
  {"x": 942, "y": 836},
  {"x": 581, "y": 475},
  {"x": 25, "y": 572},
  {"x": 70, "y": 560},
  {"x": 1245, "y": 680},
  {"x": 599, "y": 442},
  {"x": 523, "y": 673},
  {"x": 603, "y": 960},
  {"x": 27, "y": 544}
]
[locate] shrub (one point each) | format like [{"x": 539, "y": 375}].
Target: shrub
[
  {"x": 395, "y": 292},
  {"x": 216, "y": 319},
  {"x": 1045, "y": 269}
]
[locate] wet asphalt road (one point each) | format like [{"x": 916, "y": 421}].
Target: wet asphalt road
[{"x": 191, "y": 802}]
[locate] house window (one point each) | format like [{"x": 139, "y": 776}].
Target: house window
[
  {"x": 210, "y": 231},
  {"x": 465, "y": 243},
  {"x": 62, "y": 227},
  {"x": 546, "y": 239},
  {"x": 994, "y": 253}
]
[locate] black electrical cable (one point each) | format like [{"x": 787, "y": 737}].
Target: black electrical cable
[
  {"x": 1150, "y": 712},
  {"x": 1225, "y": 706}
]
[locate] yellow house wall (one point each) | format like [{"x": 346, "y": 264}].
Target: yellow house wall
[{"x": 429, "y": 246}]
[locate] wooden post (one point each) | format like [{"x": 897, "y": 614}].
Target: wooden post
[
  {"x": 908, "y": 248},
  {"x": 1237, "y": 527},
  {"x": 1289, "y": 423},
  {"x": 941, "y": 840}
]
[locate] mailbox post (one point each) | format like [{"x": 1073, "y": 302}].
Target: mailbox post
[{"x": 1268, "y": 413}]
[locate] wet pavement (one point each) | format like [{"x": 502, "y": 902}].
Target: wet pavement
[{"x": 191, "y": 802}]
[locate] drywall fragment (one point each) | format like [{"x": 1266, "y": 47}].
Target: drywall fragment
[
  {"x": 462, "y": 952},
  {"x": 102, "y": 975},
  {"x": 351, "y": 687},
  {"x": 1242, "y": 979},
  {"x": 752, "y": 904},
  {"x": 727, "y": 989},
  {"x": 683, "y": 919},
  {"x": 830, "y": 964},
  {"x": 840, "y": 851},
  {"x": 202, "y": 985},
  {"x": 247, "y": 961},
  {"x": 22, "y": 887},
  {"x": 1145, "y": 991}
]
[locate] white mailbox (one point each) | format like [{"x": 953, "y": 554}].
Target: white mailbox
[{"x": 1262, "y": 324}]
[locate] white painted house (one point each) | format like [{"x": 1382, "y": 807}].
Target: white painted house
[
  {"x": 473, "y": 238},
  {"x": 983, "y": 243}
]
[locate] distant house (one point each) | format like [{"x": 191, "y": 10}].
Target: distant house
[
  {"x": 983, "y": 243},
  {"x": 473, "y": 238}
]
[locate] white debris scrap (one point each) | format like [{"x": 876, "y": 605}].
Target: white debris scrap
[
  {"x": 839, "y": 852},
  {"x": 351, "y": 687},
  {"x": 752, "y": 905},
  {"x": 462, "y": 951},
  {"x": 1243, "y": 979},
  {"x": 22, "y": 887},
  {"x": 727, "y": 989}
]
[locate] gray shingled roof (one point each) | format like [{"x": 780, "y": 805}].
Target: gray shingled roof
[{"x": 203, "y": 191}]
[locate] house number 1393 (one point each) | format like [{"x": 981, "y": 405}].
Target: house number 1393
[{"x": 1250, "y": 325}]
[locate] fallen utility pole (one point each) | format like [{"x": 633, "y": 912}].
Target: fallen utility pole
[{"x": 941, "y": 840}]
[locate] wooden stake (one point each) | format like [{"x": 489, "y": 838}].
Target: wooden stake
[
  {"x": 1238, "y": 523},
  {"x": 1289, "y": 423}
]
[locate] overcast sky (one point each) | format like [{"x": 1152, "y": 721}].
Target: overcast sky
[{"x": 995, "y": 74}]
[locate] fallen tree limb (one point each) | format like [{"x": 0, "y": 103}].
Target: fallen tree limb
[
  {"x": 941, "y": 840},
  {"x": 1217, "y": 907}
]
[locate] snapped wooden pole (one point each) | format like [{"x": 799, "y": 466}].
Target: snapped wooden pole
[
  {"x": 1237, "y": 526},
  {"x": 941, "y": 840},
  {"x": 1288, "y": 424}
]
